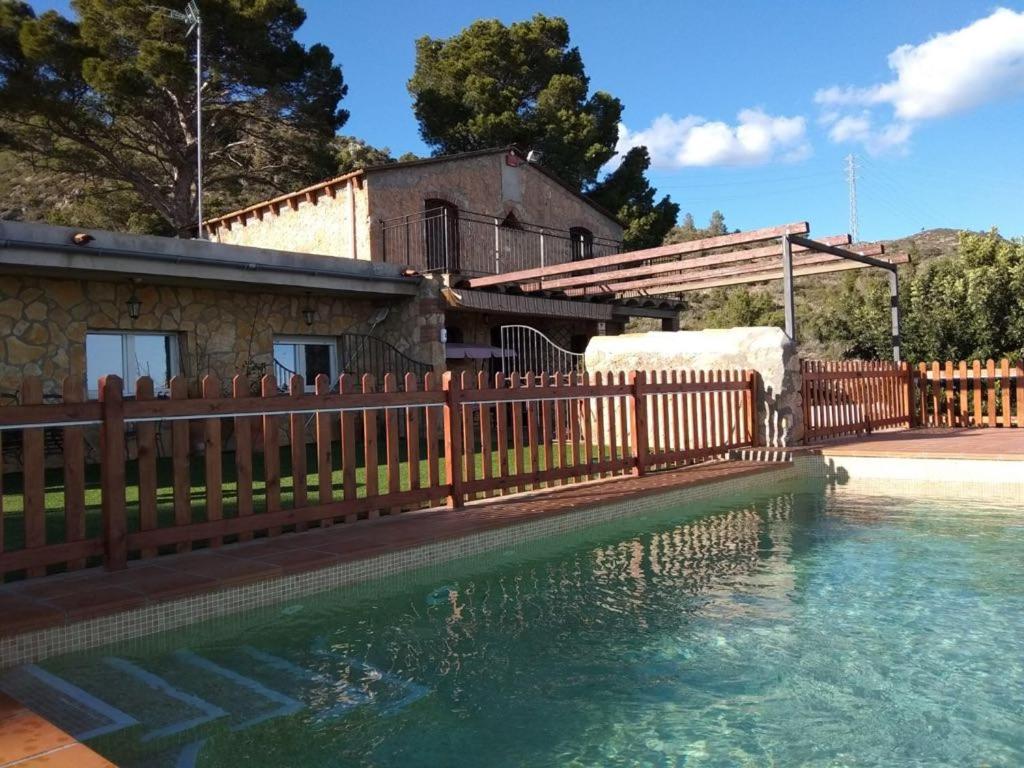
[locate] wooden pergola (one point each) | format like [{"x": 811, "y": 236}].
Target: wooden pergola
[{"x": 773, "y": 253}]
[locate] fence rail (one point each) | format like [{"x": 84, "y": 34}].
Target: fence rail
[{"x": 176, "y": 472}]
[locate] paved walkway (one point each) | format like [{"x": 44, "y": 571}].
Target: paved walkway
[
  {"x": 54, "y": 600},
  {"x": 29, "y": 741},
  {"x": 994, "y": 444}
]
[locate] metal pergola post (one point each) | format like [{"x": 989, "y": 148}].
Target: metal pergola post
[
  {"x": 787, "y": 287},
  {"x": 894, "y": 287},
  {"x": 894, "y": 312}
]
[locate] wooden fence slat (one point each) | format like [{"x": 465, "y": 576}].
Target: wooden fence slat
[
  {"x": 600, "y": 443},
  {"x": 533, "y": 438},
  {"x": 212, "y": 457},
  {"x": 977, "y": 417},
  {"x": 990, "y": 390},
  {"x": 501, "y": 431},
  {"x": 412, "y": 435},
  {"x": 948, "y": 393},
  {"x": 370, "y": 448},
  {"x": 575, "y": 430},
  {"x": 1005, "y": 389},
  {"x": 547, "y": 427},
  {"x": 453, "y": 460},
  {"x": 518, "y": 457},
  {"x": 468, "y": 431},
  {"x": 433, "y": 433},
  {"x": 484, "y": 409},
  {"x": 560, "y": 422},
  {"x": 964, "y": 393},
  {"x": 324, "y": 450},
  {"x": 243, "y": 455},
  {"x": 271, "y": 454},
  {"x": 145, "y": 456},
  {"x": 654, "y": 423},
  {"x": 347, "y": 436},
  {"x": 112, "y": 475},
  {"x": 33, "y": 474},
  {"x": 297, "y": 448},
  {"x": 1020, "y": 394},
  {"x": 74, "y": 476},
  {"x": 181, "y": 472}
]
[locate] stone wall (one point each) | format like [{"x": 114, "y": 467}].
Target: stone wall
[
  {"x": 44, "y": 321},
  {"x": 484, "y": 184},
  {"x": 322, "y": 224},
  {"x": 766, "y": 350}
]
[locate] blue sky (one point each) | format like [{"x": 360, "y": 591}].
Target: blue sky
[{"x": 764, "y": 100}]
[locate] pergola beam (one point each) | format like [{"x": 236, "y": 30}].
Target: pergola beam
[
  {"x": 633, "y": 257},
  {"x": 761, "y": 276},
  {"x": 843, "y": 253},
  {"x": 806, "y": 258},
  {"x": 682, "y": 265}
]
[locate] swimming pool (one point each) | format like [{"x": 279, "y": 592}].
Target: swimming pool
[{"x": 802, "y": 626}]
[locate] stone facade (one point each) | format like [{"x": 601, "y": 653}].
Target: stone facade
[
  {"x": 766, "y": 350},
  {"x": 331, "y": 221},
  {"x": 44, "y": 322},
  {"x": 328, "y": 219}
]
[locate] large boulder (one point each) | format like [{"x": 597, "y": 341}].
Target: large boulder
[{"x": 766, "y": 350}]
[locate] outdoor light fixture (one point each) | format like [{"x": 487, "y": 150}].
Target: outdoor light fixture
[
  {"x": 134, "y": 306},
  {"x": 308, "y": 313}
]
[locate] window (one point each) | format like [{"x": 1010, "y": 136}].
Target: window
[
  {"x": 130, "y": 356},
  {"x": 441, "y": 230},
  {"x": 581, "y": 242},
  {"x": 307, "y": 356}
]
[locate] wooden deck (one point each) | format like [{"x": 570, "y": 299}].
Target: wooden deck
[{"x": 941, "y": 443}]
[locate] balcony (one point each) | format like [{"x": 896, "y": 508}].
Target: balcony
[{"x": 444, "y": 239}]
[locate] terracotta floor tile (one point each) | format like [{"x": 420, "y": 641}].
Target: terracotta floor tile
[
  {"x": 164, "y": 583},
  {"x": 9, "y": 707},
  {"x": 299, "y": 560},
  {"x": 21, "y": 614},
  {"x": 97, "y": 602},
  {"x": 27, "y": 735},
  {"x": 75, "y": 756},
  {"x": 226, "y": 569}
]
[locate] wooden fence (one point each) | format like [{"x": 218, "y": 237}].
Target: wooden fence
[
  {"x": 146, "y": 476},
  {"x": 853, "y": 397},
  {"x": 970, "y": 394},
  {"x": 857, "y": 397}
]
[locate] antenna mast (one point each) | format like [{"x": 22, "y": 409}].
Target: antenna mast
[{"x": 851, "y": 181}]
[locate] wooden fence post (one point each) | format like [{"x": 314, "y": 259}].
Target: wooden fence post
[
  {"x": 112, "y": 460},
  {"x": 453, "y": 439},
  {"x": 907, "y": 396},
  {"x": 751, "y": 402},
  {"x": 638, "y": 427}
]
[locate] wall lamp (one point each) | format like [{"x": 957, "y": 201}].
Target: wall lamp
[{"x": 308, "y": 313}]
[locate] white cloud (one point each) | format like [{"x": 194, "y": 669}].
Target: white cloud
[
  {"x": 756, "y": 138},
  {"x": 952, "y": 72},
  {"x": 860, "y": 128}
]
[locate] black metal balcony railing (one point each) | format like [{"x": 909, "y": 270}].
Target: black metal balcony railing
[{"x": 443, "y": 240}]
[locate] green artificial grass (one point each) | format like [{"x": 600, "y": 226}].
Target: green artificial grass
[{"x": 13, "y": 518}]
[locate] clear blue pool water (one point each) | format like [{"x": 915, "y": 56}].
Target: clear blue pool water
[{"x": 801, "y": 627}]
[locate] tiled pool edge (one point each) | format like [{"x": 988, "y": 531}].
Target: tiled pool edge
[
  {"x": 953, "y": 477},
  {"x": 173, "y": 614}
]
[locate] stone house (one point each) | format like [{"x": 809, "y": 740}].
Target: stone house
[
  {"x": 476, "y": 213},
  {"x": 83, "y": 304}
]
